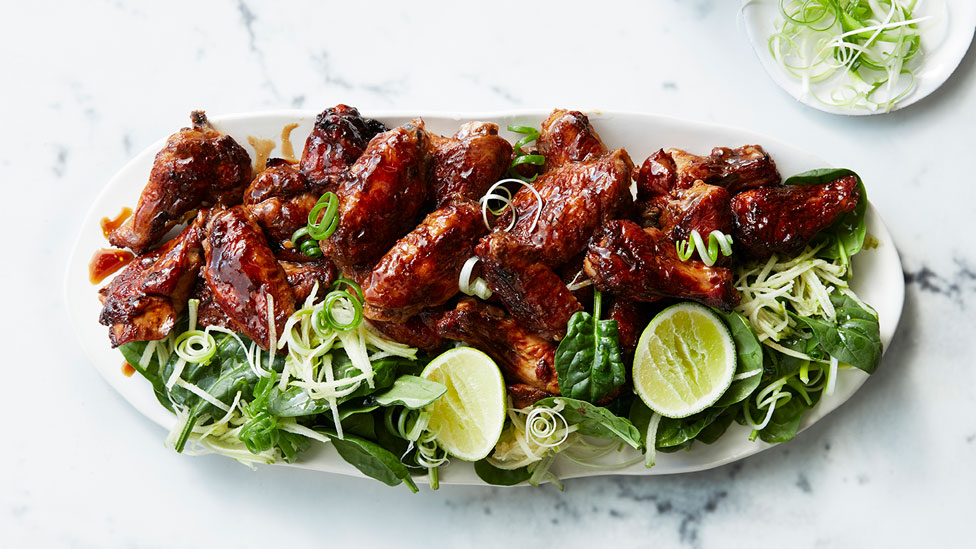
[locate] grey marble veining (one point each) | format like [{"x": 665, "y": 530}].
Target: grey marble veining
[{"x": 88, "y": 85}]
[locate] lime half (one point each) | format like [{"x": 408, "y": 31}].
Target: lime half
[
  {"x": 469, "y": 418},
  {"x": 685, "y": 360}
]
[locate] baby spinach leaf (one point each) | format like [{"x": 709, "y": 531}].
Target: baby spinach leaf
[
  {"x": 640, "y": 417},
  {"x": 714, "y": 430},
  {"x": 846, "y": 235},
  {"x": 588, "y": 363},
  {"x": 595, "y": 421},
  {"x": 132, "y": 352},
  {"x": 500, "y": 477},
  {"x": 410, "y": 391},
  {"x": 854, "y": 337},
  {"x": 786, "y": 419},
  {"x": 750, "y": 359},
  {"x": 675, "y": 432},
  {"x": 372, "y": 460},
  {"x": 296, "y": 401}
]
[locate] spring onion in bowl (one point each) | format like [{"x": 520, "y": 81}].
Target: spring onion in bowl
[{"x": 850, "y": 54}]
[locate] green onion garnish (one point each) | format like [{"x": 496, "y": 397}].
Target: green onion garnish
[
  {"x": 717, "y": 241},
  {"x": 195, "y": 346},
  {"x": 322, "y": 227},
  {"x": 531, "y": 134}
]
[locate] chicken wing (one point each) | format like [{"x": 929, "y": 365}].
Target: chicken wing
[
  {"x": 380, "y": 196},
  {"x": 745, "y": 167},
  {"x": 142, "y": 303},
  {"x": 338, "y": 139},
  {"x": 567, "y": 136},
  {"x": 279, "y": 179},
  {"x": 466, "y": 165},
  {"x": 643, "y": 265},
  {"x": 418, "y": 331},
  {"x": 523, "y": 356},
  {"x": 422, "y": 269},
  {"x": 303, "y": 276},
  {"x": 244, "y": 275},
  {"x": 782, "y": 220},
  {"x": 531, "y": 291},
  {"x": 198, "y": 166},
  {"x": 701, "y": 207}
]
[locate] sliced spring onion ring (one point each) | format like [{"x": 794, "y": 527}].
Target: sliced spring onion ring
[
  {"x": 196, "y": 346},
  {"x": 531, "y": 134},
  {"x": 479, "y": 287},
  {"x": 717, "y": 241},
  {"x": 507, "y": 200},
  {"x": 322, "y": 227}
]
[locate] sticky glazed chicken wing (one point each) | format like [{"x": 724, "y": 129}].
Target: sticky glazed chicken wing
[
  {"x": 642, "y": 264},
  {"x": 339, "y": 137},
  {"x": 782, "y": 220},
  {"x": 199, "y": 166},
  {"x": 303, "y": 277},
  {"x": 523, "y": 356},
  {"x": 745, "y": 167},
  {"x": 380, "y": 196},
  {"x": 246, "y": 280},
  {"x": 568, "y": 136},
  {"x": 422, "y": 268},
  {"x": 143, "y": 302},
  {"x": 418, "y": 331},
  {"x": 701, "y": 207},
  {"x": 466, "y": 165}
]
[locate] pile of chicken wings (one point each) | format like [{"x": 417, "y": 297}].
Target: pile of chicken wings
[{"x": 409, "y": 218}]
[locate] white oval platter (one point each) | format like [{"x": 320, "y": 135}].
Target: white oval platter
[{"x": 879, "y": 279}]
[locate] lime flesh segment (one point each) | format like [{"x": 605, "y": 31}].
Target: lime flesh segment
[
  {"x": 469, "y": 418},
  {"x": 685, "y": 360}
]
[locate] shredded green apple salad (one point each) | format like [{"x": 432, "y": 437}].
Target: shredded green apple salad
[{"x": 335, "y": 380}]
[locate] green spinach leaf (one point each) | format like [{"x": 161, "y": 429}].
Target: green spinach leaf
[
  {"x": 854, "y": 338},
  {"x": 296, "y": 401},
  {"x": 750, "y": 359},
  {"x": 674, "y": 432},
  {"x": 372, "y": 460},
  {"x": 500, "y": 477},
  {"x": 132, "y": 352},
  {"x": 588, "y": 363},
  {"x": 595, "y": 421},
  {"x": 410, "y": 391},
  {"x": 846, "y": 235}
]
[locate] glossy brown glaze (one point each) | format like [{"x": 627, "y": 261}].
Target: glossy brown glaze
[
  {"x": 245, "y": 276},
  {"x": 576, "y": 199},
  {"x": 280, "y": 179},
  {"x": 531, "y": 291},
  {"x": 466, "y": 165},
  {"x": 280, "y": 217},
  {"x": 304, "y": 276},
  {"x": 782, "y": 220},
  {"x": 144, "y": 300},
  {"x": 745, "y": 167},
  {"x": 701, "y": 207},
  {"x": 643, "y": 265},
  {"x": 198, "y": 166},
  {"x": 568, "y": 136},
  {"x": 380, "y": 196},
  {"x": 338, "y": 139},
  {"x": 418, "y": 331},
  {"x": 522, "y": 356},
  {"x": 209, "y": 312},
  {"x": 422, "y": 268},
  {"x": 104, "y": 262},
  {"x": 110, "y": 224},
  {"x": 632, "y": 317}
]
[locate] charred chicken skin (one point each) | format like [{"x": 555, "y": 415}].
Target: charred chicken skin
[
  {"x": 523, "y": 356},
  {"x": 466, "y": 165},
  {"x": 338, "y": 139},
  {"x": 642, "y": 264},
  {"x": 142, "y": 303},
  {"x": 246, "y": 280},
  {"x": 782, "y": 220},
  {"x": 199, "y": 166},
  {"x": 422, "y": 268},
  {"x": 418, "y": 331},
  {"x": 745, "y": 167},
  {"x": 380, "y": 196}
]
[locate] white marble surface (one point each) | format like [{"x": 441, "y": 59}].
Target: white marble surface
[{"x": 87, "y": 85}]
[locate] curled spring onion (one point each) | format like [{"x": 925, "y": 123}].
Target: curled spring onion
[
  {"x": 531, "y": 134},
  {"x": 306, "y": 245},
  {"x": 477, "y": 288},
  {"x": 196, "y": 346},
  {"x": 546, "y": 427},
  {"x": 322, "y": 225},
  {"x": 500, "y": 193},
  {"x": 850, "y": 53},
  {"x": 717, "y": 241}
]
